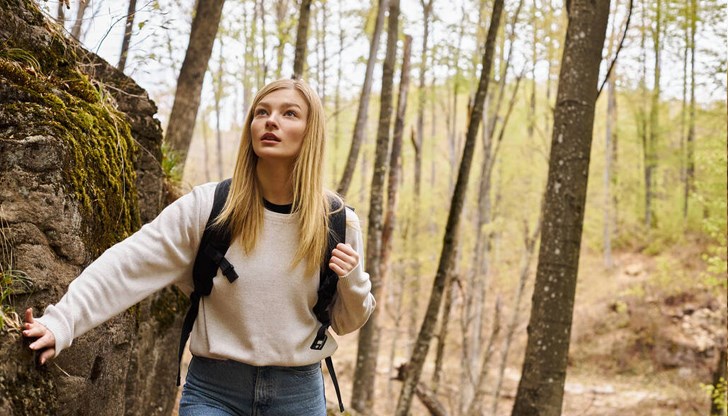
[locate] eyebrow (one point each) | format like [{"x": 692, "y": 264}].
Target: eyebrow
[{"x": 284, "y": 105}]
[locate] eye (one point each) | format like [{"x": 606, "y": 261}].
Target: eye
[
  {"x": 260, "y": 112},
  {"x": 291, "y": 113}
]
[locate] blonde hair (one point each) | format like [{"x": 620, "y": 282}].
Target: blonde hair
[{"x": 243, "y": 209}]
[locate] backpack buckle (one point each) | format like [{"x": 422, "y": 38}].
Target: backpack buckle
[{"x": 320, "y": 340}]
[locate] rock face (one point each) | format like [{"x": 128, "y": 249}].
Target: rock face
[{"x": 79, "y": 170}]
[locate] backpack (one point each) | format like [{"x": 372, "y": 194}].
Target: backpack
[{"x": 211, "y": 256}]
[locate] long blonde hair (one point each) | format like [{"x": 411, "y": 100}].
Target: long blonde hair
[{"x": 243, "y": 209}]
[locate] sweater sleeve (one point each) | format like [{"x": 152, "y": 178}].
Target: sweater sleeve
[
  {"x": 354, "y": 302},
  {"x": 159, "y": 254}
]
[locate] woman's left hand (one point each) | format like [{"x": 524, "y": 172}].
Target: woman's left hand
[{"x": 343, "y": 259}]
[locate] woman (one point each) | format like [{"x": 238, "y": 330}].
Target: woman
[{"x": 251, "y": 340}]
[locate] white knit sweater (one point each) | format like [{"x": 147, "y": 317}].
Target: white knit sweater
[{"x": 265, "y": 317}]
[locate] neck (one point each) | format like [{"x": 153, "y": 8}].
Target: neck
[{"x": 275, "y": 182}]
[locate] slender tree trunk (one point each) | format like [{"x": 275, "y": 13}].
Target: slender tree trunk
[
  {"x": 281, "y": 10},
  {"x": 417, "y": 165},
  {"x": 337, "y": 95},
  {"x": 541, "y": 388},
  {"x": 127, "y": 35},
  {"x": 480, "y": 392},
  {"x": 192, "y": 75},
  {"x": 299, "y": 60},
  {"x": 449, "y": 242},
  {"x": 529, "y": 249},
  {"x": 534, "y": 60},
  {"x": 324, "y": 56},
  {"x": 394, "y": 179},
  {"x": 248, "y": 63},
  {"x": 653, "y": 135},
  {"x": 368, "y": 350},
  {"x": 219, "y": 88},
  {"x": 262, "y": 71},
  {"x": 78, "y": 23},
  {"x": 719, "y": 376},
  {"x": 61, "y": 14},
  {"x": 395, "y": 162},
  {"x": 363, "y": 111},
  {"x": 611, "y": 131},
  {"x": 690, "y": 156}
]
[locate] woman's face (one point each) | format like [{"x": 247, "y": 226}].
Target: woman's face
[{"x": 278, "y": 126}]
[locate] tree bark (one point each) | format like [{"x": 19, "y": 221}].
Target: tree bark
[
  {"x": 529, "y": 248},
  {"x": 61, "y": 13},
  {"x": 363, "y": 111},
  {"x": 541, "y": 388},
  {"x": 127, "y": 35},
  {"x": 281, "y": 10},
  {"x": 653, "y": 134},
  {"x": 368, "y": 349},
  {"x": 449, "y": 242},
  {"x": 395, "y": 162},
  {"x": 189, "y": 83},
  {"x": 301, "y": 39},
  {"x": 78, "y": 23},
  {"x": 690, "y": 146},
  {"x": 719, "y": 377}
]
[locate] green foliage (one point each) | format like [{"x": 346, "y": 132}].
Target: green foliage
[
  {"x": 718, "y": 394},
  {"x": 171, "y": 167},
  {"x": 12, "y": 282}
]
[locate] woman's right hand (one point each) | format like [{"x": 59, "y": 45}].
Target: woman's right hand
[{"x": 45, "y": 341}]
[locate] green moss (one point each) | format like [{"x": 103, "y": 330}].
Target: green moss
[{"x": 55, "y": 98}]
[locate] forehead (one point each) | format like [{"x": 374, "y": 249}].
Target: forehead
[{"x": 284, "y": 96}]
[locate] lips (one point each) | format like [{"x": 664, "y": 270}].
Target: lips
[{"x": 270, "y": 137}]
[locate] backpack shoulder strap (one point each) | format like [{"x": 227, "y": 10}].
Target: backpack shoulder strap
[
  {"x": 210, "y": 256},
  {"x": 328, "y": 278}
]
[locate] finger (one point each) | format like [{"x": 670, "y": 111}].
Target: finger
[
  {"x": 47, "y": 355},
  {"x": 35, "y": 330},
  {"x": 346, "y": 248},
  {"x": 340, "y": 271},
  {"x": 29, "y": 315},
  {"x": 352, "y": 257},
  {"x": 46, "y": 341},
  {"x": 345, "y": 263}
]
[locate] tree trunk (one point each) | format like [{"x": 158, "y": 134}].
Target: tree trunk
[
  {"x": 78, "y": 23},
  {"x": 127, "y": 35},
  {"x": 719, "y": 387},
  {"x": 395, "y": 162},
  {"x": 301, "y": 39},
  {"x": 337, "y": 95},
  {"x": 363, "y": 111},
  {"x": 448, "y": 249},
  {"x": 61, "y": 14},
  {"x": 417, "y": 167},
  {"x": 248, "y": 65},
  {"x": 368, "y": 349},
  {"x": 653, "y": 136},
  {"x": 219, "y": 91},
  {"x": 476, "y": 404},
  {"x": 541, "y": 388},
  {"x": 529, "y": 248},
  {"x": 690, "y": 146},
  {"x": 281, "y": 10},
  {"x": 189, "y": 84}
]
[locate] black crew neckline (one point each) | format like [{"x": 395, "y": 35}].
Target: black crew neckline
[{"x": 281, "y": 209}]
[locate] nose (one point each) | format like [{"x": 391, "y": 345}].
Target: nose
[{"x": 271, "y": 121}]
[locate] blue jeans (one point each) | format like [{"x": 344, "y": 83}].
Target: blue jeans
[{"x": 226, "y": 387}]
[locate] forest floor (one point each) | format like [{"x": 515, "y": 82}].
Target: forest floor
[{"x": 638, "y": 346}]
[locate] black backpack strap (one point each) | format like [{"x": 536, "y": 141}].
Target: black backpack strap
[
  {"x": 328, "y": 278},
  {"x": 332, "y": 373},
  {"x": 327, "y": 287},
  {"x": 210, "y": 257}
]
